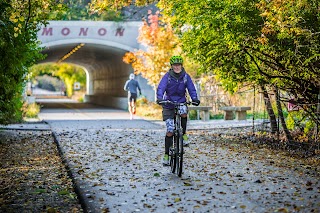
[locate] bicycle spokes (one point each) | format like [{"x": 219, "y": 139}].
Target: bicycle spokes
[
  {"x": 172, "y": 159},
  {"x": 179, "y": 155}
]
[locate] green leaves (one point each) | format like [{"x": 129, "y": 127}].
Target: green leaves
[
  {"x": 253, "y": 42},
  {"x": 18, "y": 51}
]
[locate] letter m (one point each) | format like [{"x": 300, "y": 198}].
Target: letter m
[{"x": 47, "y": 31}]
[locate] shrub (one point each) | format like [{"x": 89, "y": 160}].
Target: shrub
[
  {"x": 31, "y": 110},
  {"x": 192, "y": 114},
  {"x": 142, "y": 100},
  {"x": 150, "y": 111}
]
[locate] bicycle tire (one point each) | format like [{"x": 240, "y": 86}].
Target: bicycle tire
[
  {"x": 173, "y": 156},
  {"x": 179, "y": 154}
]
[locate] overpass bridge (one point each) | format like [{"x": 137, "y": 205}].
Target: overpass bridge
[{"x": 98, "y": 47}]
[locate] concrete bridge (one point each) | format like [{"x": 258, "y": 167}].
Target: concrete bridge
[{"x": 98, "y": 47}]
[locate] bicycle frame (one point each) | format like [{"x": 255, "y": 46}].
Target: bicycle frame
[{"x": 176, "y": 151}]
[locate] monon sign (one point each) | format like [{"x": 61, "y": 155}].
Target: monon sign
[
  {"x": 100, "y": 32},
  {"x": 82, "y": 31}
]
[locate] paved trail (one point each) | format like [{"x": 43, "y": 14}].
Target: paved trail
[{"x": 116, "y": 164}]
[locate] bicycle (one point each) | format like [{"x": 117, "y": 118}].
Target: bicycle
[{"x": 176, "y": 151}]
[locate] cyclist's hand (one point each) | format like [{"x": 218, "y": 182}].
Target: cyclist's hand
[{"x": 195, "y": 102}]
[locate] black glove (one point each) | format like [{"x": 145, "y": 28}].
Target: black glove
[
  {"x": 195, "y": 102},
  {"x": 158, "y": 101}
]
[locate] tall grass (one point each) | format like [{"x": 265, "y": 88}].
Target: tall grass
[{"x": 31, "y": 110}]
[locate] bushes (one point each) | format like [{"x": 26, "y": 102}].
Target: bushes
[
  {"x": 19, "y": 50},
  {"x": 31, "y": 110}
]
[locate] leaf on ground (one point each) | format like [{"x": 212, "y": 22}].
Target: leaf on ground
[
  {"x": 177, "y": 199},
  {"x": 222, "y": 193},
  {"x": 187, "y": 184},
  {"x": 38, "y": 191},
  {"x": 63, "y": 192},
  {"x": 51, "y": 210},
  {"x": 282, "y": 210}
]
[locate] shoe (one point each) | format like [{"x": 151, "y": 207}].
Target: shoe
[
  {"x": 185, "y": 140},
  {"x": 166, "y": 160}
]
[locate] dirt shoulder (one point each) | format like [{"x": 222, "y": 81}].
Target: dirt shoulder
[{"x": 33, "y": 177}]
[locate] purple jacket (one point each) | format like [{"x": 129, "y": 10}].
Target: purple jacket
[{"x": 175, "y": 89}]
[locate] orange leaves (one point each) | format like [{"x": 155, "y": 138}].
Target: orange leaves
[
  {"x": 160, "y": 40},
  {"x": 129, "y": 58}
]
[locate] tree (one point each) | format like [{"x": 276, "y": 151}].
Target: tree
[
  {"x": 19, "y": 50},
  {"x": 69, "y": 74},
  {"x": 262, "y": 42},
  {"x": 291, "y": 32},
  {"x": 118, "y": 4},
  {"x": 158, "y": 37},
  {"x": 83, "y": 10}
]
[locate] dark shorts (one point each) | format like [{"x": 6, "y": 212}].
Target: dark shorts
[
  {"x": 132, "y": 96},
  {"x": 167, "y": 114}
]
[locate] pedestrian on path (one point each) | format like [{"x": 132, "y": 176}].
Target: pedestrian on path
[
  {"x": 132, "y": 87},
  {"x": 173, "y": 86}
]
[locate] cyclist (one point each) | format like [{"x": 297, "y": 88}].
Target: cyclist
[
  {"x": 132, "y": 86},
  {"x": 173, "y": 87}
]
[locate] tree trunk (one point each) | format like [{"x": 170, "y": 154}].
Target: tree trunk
[
  {"x": 281, "y": 116},
  {"x": 272, "y": 117}
]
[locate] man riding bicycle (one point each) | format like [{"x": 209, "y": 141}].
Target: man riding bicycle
[{"x": 173, "y": 86}]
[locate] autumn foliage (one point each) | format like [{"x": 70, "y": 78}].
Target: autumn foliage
[{"x": 157, "y": 35}]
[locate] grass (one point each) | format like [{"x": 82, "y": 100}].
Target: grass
[
  {"x": 31, "y": 110},
  {"x": 153, "y": 111},
  {"x": 150, "y": 111}
]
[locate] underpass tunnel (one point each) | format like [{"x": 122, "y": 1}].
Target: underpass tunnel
[{"x": 106, "y": 72}]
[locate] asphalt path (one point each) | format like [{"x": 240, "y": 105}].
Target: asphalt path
[{"x": 116, "y": 166}]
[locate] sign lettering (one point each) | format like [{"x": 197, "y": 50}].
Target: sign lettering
[
  {"x": 82, "y": 31},
  {"x": 119, "y": 31},
  {"x": 47, "y": 31},
  {"x": 102, "y": 31},
  {"x": 65, "y": 31}
]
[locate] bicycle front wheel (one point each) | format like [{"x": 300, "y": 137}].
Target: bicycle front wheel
[
  {"x": 179, "y": 154},
  {"x": 172, "y": 159}
]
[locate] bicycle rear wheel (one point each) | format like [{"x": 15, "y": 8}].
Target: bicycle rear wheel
[{"x": 179, "y": 154}]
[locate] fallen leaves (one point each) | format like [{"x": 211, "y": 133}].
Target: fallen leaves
[
  {"x": 123, "y": 168},
  {"x": 35, "y": 179},
  {"x": 177, "y": 199}
]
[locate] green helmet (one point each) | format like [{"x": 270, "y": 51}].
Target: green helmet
[{"x": 176, "y": 59}]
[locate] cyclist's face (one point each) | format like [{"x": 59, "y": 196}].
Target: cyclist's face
[{"x": 177, "y": 68}]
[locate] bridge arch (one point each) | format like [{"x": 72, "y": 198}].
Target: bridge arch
[
  {"x": 100, "y": 55},
  {"x": 88, "y": 41}
]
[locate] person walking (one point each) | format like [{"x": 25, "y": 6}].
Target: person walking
[
  {"x": 173, "y": 86},
  {"x": 132, "y": 87}
]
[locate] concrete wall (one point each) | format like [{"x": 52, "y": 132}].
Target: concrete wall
[{"x": 101, "y": 52}]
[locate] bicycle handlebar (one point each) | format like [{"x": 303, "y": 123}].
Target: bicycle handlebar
[{"x": 177, "y": 104}]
